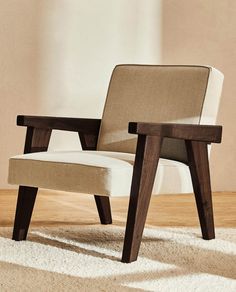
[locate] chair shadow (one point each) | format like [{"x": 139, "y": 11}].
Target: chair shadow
[
  {"x": 106, "y": 243},
  {"x": 188, "y": 259}
]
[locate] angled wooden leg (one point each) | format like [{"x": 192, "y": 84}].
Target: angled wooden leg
[
  {"x": 146, "y": 161},
  {"x": 199, "y": 169},
  {"x": 104, "y": 209},
  {"x": 24, "y": 209},
  {"x": 37, "y": 139}
]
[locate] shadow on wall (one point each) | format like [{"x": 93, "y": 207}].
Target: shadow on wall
[
  {"x": 203, "y": 32},
  {"x": 80, "y": 44}
]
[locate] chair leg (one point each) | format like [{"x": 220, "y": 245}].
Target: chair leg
[
  {"x": 146, "y": 161},
  {"x": 199, "y": 169},
  {"x": 24, "y": 209},
  {"x": 104, "y": 209}
]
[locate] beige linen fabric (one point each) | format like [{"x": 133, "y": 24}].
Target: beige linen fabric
[
  {"x": 92, "y": 172},
  {"x": 153, "y": 94}
]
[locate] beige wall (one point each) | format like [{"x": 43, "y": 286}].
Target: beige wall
[
  {"x": 56, "y": 57},
  {"x": 19, "y": 62},
  {"x": 204, "y": 32}
]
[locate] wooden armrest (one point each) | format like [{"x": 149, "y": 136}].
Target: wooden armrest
[
  {"x": 203, "y": 133},
  {"x": 81, "y": 125}
]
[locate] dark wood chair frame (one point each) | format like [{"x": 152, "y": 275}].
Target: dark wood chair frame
[{"x": 150, "y": 138}]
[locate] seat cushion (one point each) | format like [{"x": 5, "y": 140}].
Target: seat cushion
[{"x": 93, "y": 172}]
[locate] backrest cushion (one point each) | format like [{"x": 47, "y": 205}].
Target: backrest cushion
[{"x": 147, "y": 93}]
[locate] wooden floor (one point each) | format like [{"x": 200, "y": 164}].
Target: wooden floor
[{"x": 60, "y": 208}]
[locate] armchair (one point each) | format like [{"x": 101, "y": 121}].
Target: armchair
[{"x": 153, "y": 114}]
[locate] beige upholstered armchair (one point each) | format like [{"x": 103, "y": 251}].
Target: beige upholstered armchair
[{"x": 154, "y": 115}]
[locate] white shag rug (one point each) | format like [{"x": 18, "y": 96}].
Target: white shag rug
[{"x": 87, "y": 258}]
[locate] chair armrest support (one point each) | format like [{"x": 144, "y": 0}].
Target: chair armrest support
[
  {"x": 203, "y": 133},
  {"x": 39, "y": 130},
  {"x": 81, "y": 125}
]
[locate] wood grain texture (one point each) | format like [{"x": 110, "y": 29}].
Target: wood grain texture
[
  {"x": 82, "y": 125},
  {"x": 203, "y": 133},
  {"x": 145, "y": 165},
  {"x": 24, "y": 209},
  {"x": 104, "y": 209},
  {"x": 54, "y": 208},
  {"x": 36, "y": 140},
  {"x": 200, "y": 173},
  {"x": 88, "y": 141}
]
